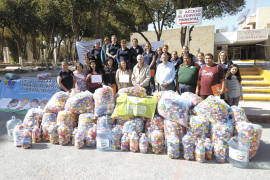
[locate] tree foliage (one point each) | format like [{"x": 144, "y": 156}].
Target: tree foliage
[{"x": 50, "y": 24}]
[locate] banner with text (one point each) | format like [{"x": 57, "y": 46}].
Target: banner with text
[
  {"x": 83, "y": 47},
  {"x": 188, "y": 17},
  {"x": 23, "y": 94}
]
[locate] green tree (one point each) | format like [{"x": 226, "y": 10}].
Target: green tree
[{"x": 20, "y": 19}]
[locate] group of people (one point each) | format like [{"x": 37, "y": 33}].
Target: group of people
[{"x": 119, "y": 67}]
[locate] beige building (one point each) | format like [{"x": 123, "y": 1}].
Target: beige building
[
  {"x": 202, "y": 39},
  {"x": 250, "y": 41}
]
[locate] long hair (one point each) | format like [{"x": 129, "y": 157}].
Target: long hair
[
  {"x": 237, "y": 74},
  {"x": 226, "y": 59}
]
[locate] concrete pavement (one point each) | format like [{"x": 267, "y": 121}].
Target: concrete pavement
[{"x": 47, "y": 161}]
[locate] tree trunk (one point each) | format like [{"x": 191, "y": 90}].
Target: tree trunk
[
  {"x": 183, "y": 35},
  {"x": 144, "y": 37},
  {"x": 2, "y": 41}
]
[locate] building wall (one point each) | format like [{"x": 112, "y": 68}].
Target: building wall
[
  {"x": 262, "y": 17},
  {"x": 202, "y": 38}
]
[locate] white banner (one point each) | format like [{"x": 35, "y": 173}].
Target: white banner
[
  {"x": 252, "y": 34},
  {"x": 83, "y": 47},
  {"x": 188, "y": 17}
]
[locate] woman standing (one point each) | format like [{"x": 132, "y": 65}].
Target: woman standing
[
  {"x": 123, "y": 76},
  {"x": 223, "y": 60},
  {"x": 109, "y": 76},
  {"x": 233, "y": 83},
  {"x": 123, "y": 53},
  {"x": 65, "y": 78},
  {"x": 80, "y": 77},
  {"x": 149, "y": 57},
  {"x": 200, "y": 57},
  {"x": 158, "y": 56},
  {"x": 94, "y": 77}
]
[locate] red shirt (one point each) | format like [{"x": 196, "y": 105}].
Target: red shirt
[
  {"x": 210, "y": 76},
  {"x": 93, "y": 85}
]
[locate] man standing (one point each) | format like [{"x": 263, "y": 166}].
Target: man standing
[
  {"x": 112, "y": 48},
  {"x": 187, "y": 75},
  {"x": 165, "y": 74},
  {"x": 135, "y": 50},
  {"x": 141, "y": 74}
]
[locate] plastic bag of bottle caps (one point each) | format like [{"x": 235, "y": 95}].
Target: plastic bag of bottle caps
[
  {"x": 221, "y": 130},
  {"x": 143, "y": 143},
  {"x": 199, "y": 126},
  {"x": 200, "y": 150},
  {"x": 221, "y": 150},
  {"x": 104, "y": 101},
  {"x": 67, "y": 118},
  {"x": 46, "y": 120},
  {"x": 208, "y": 149},
  {"x": 18, "y": 133},
  {"x": 80, "y": 103},
  {"x": 238, "y": 114},
  {"x": 116, "y": 137},
  {"x": 53, "y": 134},
  {"x": 27, "y": 138},
  {"x": 33, "y": 117},
  {"x": 79, "y": 139},
  {"x": 134, "y": 142},
  {"x": 173, "y": 146},
  {"x": 125, "y": 142},
  {"x": 86, "y": 120},
  {"x": 213, "y": 108},
  {"x": 174, "y": 108},
  {"x": 157, "y": 141},
  {"x": 36, "y": 134},
  {"x": 104, "y": 122},
  {"x": 137, "y": 125},
  {"x": 171, "y": 128},
  {"x": 157, "y": 122},
  {"x": 64, "y": 133},
  {"x": 194, "y": 99},
  {"x": 134, "y": 91},
  {"x": 57, "y": 102},
  {"x": 189, "y": 146},
  {"x": 250, "y": 132}
]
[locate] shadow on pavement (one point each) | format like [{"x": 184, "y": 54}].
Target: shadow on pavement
[
  {"x": 257, "y": 114},
  {"x": 39, "y": 146},
  {"x": 262, "y": 158}
]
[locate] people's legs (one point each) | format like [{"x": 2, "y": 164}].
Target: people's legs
[
  {"x": 236, "y": 101},
  {"x": 204, "y": 96},
  {"x": 186, "y": 88},
  {"x": 152, "y": 82},
  {"x": 230, "y": 101}
]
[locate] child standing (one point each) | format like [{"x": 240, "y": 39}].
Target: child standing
[{"x": 233, "y": 83}]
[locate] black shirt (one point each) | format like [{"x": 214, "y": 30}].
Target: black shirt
[
  {"x": 95, "y": 53},
  {"x": 67, "y": 79},
  {"x": 134, "y": 52},
  {"x": 148, "y": 57},
  {"x": 113, "y": 48},
  {"x": 109, "y": 75},
  {"x": 123, "y": 54}
]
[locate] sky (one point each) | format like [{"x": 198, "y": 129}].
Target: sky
[{"x": 230, "y": 22}]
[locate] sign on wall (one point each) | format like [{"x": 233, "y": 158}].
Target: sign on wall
[
  {"x": 187, "y": 17},
  {"x": 252, "y": 34}
]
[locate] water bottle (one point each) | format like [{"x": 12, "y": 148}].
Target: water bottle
[
  {"x": 11, "y": 125},
  {"x": 104, "y": 139},
  {"x": 239, "y": 153}
]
